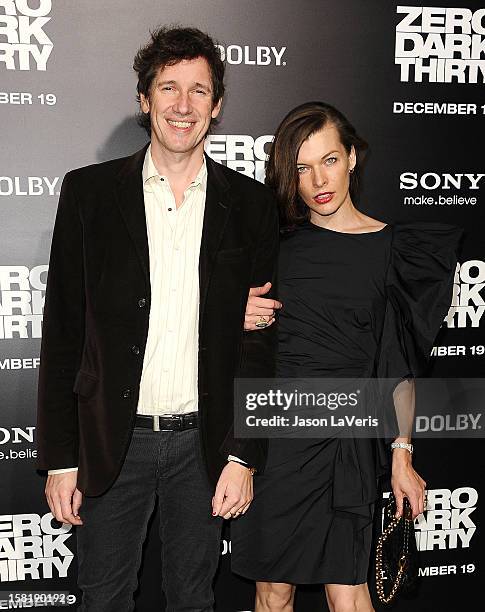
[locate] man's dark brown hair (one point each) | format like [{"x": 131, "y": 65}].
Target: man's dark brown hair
[{"x": 169, "y": 46}]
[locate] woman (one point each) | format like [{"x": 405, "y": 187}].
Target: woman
[{"x": 360, "y": 299}]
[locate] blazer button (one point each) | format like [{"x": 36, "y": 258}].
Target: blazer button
[
  {"x": 142, "y": 303},
  {"x": 126, "y": 393},
  {"x": 135, "y": 349}
]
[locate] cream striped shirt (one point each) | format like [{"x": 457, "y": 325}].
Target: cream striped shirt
[{"x": 169, "y": 377}]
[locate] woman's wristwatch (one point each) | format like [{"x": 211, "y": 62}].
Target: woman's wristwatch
[{"x": 408, "y": 447}]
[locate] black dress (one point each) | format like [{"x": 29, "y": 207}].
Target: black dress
[{"x": 354, "y": 305}]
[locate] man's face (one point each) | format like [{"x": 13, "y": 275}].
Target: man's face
[{"x": 180, "y": 106}]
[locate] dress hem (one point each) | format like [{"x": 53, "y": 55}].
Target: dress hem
[{"x": 267, "y": 578}]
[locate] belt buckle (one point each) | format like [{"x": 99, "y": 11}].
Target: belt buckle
[
  {"x": 175, "y": 419},
  {"x": 178, "y": 421}
]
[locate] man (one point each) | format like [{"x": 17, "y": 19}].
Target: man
[{"x": 152, "y": 259}]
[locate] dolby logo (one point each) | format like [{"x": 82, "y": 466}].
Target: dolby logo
[
  {"x": 28, "y": 185},
  {"x": 250, "y": 55}
]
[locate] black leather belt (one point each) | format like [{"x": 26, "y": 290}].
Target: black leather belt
[{"x": 170, "y": 422}]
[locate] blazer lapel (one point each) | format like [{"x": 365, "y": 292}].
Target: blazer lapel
[
  {"x": 129, "y": 190},
  {"x": 217, "y": 210}
]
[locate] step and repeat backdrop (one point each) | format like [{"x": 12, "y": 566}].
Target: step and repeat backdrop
[{"x": 410, "y": 77}]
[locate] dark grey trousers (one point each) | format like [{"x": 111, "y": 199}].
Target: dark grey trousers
[{"x": 167, "y": 464}]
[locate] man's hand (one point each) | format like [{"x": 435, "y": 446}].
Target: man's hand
[
  {"x": 64, "y": 498},
  {"x": 234, "y": 491},
  {"x": 259, "y": 308}
]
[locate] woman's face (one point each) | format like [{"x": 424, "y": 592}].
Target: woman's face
[{"x": 324, "y": 172}]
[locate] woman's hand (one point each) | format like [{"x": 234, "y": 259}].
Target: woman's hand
[
  {"x": 260, "y": 310},
  {"x": 406, "y": 482}
]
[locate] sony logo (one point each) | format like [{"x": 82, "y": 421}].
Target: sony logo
[{"x": 433, "y": 180}]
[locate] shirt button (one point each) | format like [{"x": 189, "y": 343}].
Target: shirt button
[
  {"x": 169, "y": 210},
  {"x": 142, "y": 303},
  {"x": 126, "y": 393},
  {"x": 135, "y": 349}
]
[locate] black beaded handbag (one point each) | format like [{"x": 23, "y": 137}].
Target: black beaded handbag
[{"x": 396, "y": 553}]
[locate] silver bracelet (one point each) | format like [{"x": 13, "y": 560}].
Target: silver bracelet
[{"x": 408, "y": 447}]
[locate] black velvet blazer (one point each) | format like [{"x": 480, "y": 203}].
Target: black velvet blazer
[{"x": 97, "y": 309}]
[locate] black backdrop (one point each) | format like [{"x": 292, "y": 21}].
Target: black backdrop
[{"x": 410, "y": 78}]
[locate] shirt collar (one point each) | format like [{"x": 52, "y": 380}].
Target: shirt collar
[{"x": 149, "y": 172}]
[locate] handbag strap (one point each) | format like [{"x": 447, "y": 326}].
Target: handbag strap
[{"x": 383, "y": 598}]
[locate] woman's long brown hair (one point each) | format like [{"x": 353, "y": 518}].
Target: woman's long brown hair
[{"x": 281, "y": 172}]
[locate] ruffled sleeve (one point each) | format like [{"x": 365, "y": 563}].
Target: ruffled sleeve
[{"x": 419, "y": 288}]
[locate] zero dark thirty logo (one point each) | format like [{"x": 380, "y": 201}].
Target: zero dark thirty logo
[
  {"x": 449, "y": 520},
  {"x": 32, "y": 548},
  {"x": 24, "y": 45},
  {"x": 241, "y": 152},
  {"x": 467, "y": 305},
  {"x": 440, "y": 45},
  {"x": 22, "y": 296}
]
